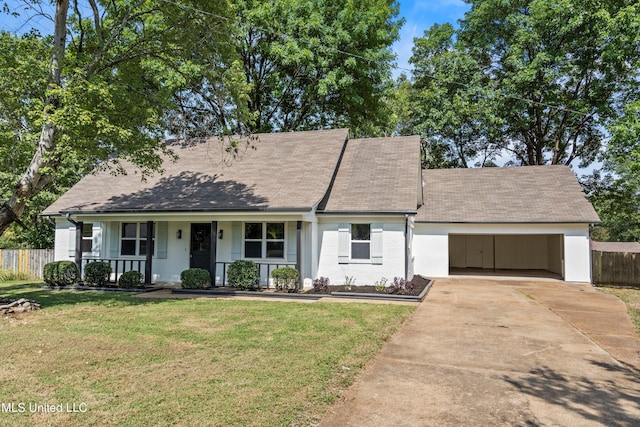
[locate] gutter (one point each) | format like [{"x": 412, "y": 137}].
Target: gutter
[
  {"x": 406, "y": 246},
  {"x": 364, "y": 212},
  {"x": 68, "y": 216},
  {"x": 169, "y": 211}
]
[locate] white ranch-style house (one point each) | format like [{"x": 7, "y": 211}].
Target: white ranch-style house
[{"x": 329, "y": 206}]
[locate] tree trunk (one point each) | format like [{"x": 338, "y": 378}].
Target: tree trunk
[{"x": 33, "y": 181}]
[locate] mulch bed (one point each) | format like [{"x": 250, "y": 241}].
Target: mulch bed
[{"x": 419, "y": 283}]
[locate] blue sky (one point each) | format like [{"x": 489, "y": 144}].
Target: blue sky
[{"x": 419, "y": 16}]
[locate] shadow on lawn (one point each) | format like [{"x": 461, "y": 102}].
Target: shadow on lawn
[
  {"x": 603, "y": 402},
  {"x": 48, "y": 298}
]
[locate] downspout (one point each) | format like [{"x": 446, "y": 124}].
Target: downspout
[{"x": 406, "y": 246}]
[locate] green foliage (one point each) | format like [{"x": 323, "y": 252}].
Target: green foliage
[
  {"x": 7, "y": 275},
  {"x": 285, "y": 278},
  {"x": 130, "y": 279},
  {"x": 615, "y": 191},
  {"x": 48, "y": 272},
  {"x": 195, "y": 278},
  {"x": 381, "y": 285},
  {"x": 244, "y": 274},
  {"x": 97, "y": 273},
  {"x": 121, "y": 74},
  {"x": 534, "y": 82},
  {"x": 293, "y": 73},
  {"x": 66, "y": 274},
  {"x": 61, "y": 273},
  {"x": 348, "y": 282}
]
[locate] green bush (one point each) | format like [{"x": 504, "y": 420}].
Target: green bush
[
  {"x": 97, "y": 273},
  {"x": 48, "y": 273},
  {"x": 244, "y": 274},
  {"x": 66, "y": 273},
  {"x": 195, "y": 278},
  {"x": 285, "y": 279},
  {"x": 130, "y": 279}
]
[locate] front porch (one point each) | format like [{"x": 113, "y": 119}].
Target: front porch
[
  {"x": 219, "y": 279},
  {"x": 175, "y": 246}
]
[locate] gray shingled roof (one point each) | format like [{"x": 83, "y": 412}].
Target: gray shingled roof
[
  {"x": 528, "y": 194},
  {"x": 377, "y": 175},
  {"x": 285, "y": 171}
]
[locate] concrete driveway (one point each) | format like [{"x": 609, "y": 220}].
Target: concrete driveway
[{"x": 502, "y": 352}]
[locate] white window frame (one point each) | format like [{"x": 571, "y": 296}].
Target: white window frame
[
  {"x": 345, "y": 240},
  {"x": 138, "y": 239},
  {"x": 264, "y": 240},
  {"x": 87, "y": 235},
  {"x": 359, "y": 242}
]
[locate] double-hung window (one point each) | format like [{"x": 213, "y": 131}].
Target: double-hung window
[
  {"x": 360, "y": 241},
  {"x": 87, "y": 237},
  {"x": 264, "y": 240},
  {"x": 133, "y": 239}
]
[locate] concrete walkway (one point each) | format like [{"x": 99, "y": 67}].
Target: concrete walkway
[{"x": 480, "y": 352}]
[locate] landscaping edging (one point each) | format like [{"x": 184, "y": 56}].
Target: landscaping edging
[
  {"x": 387, "y": 297},
  {"x": 351, "y": 295},
  {"x": 96, "y": 288},
  {"x": 248, "y": 293}
]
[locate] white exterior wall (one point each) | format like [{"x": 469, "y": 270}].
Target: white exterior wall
[
  {"x": 64, "y": 235},
  {"x": 363, "y": 271},
  {"x": 430, "y": 251},
  {"x": 431, "y": 245},
  {"x": 577, "y": 256}
]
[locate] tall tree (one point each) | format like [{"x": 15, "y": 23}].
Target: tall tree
[
  {"x": 532, "y": 82},
  {"x": 308, "y": 64},
  {"x": 615, "y": 191},
  {"x": 99, "y": 87}
]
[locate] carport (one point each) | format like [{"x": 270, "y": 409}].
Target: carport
[{"x": 519, "y": 220}]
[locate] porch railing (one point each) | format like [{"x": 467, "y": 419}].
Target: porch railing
[
  {"x": 118, "y": 266},
  {"x": 265, "y": 268}
]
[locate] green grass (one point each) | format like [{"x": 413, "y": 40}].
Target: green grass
[
  {"x": 631, "y": 298},
  {"x": 136, "y": 361}
]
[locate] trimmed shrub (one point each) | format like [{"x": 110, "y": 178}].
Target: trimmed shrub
[
  {"x": 60, "y": 273},
  {"x": 48, "y": 272},
  {"x": 130, "y": 279},
  {"x": 244, "y": 274},
  {"x": 195, "y": 278},
  {"x": 97, "y": 273},
  {"x": 285, "y": 278},
  {"x": 66, "y": 273}
]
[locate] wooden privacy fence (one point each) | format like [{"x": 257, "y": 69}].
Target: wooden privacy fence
[
  {"x": 30, "y": 261},
  {"x": 615, "y": 268}
]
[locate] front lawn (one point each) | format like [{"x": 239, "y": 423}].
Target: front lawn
[
  {"x": 631, "y": 297},
  {"x": 121, "y": 360}
]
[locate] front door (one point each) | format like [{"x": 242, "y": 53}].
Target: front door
[{"x": 200, "y": 246}]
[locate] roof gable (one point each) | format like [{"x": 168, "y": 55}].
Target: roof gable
[
  {"x": 526, "y": 194},
  {"x": 284, "y": 171}
]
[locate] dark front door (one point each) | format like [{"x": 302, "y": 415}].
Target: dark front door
[{"x": 200, "y": 246}]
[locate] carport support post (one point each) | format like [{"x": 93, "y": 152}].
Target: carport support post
[{"x": 147, "y": 264}]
